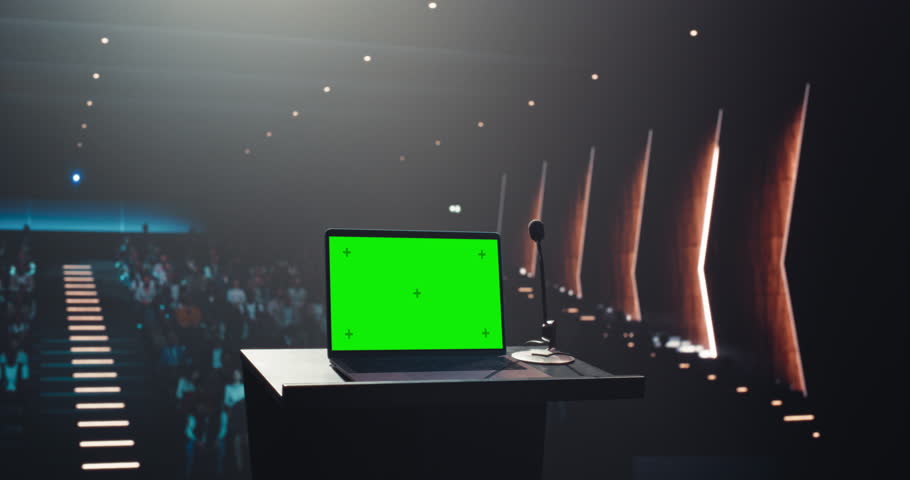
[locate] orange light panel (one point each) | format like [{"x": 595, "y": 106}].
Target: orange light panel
[
  {"x": 742, "y": 389},
  {"x": 525, "y": 289},
  {"x": 79, "y": 286},
  {"x": 587, "y": 318},
  {"x": 776, "y": 403},
  {"x": 77, "y": 267},
  {"x": 85, "y": 318}
]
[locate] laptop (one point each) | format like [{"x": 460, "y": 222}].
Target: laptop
[{"x": 415, "y": 305}]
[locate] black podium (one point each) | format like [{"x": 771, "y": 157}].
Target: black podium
[{"x": 306, "y": 421}]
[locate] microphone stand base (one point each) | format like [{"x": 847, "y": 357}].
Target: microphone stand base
[{"x": 543, "y": 356}]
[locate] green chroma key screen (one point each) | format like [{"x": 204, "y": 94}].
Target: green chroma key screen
[{"x": 392, "y": 293}]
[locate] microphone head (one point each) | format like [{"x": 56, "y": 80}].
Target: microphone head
[{"x": 535, "y": 228}]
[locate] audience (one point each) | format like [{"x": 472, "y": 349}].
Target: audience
[
  {"x": 197, "y": 316},
  {"x": 18, "y": 313}
]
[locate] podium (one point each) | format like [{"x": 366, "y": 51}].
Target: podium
[{"x": 306, "y": 421}]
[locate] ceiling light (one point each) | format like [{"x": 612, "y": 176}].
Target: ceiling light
[
  {"x": 89, "y": 103},
  {"x": 594, "y": 76},
  {"x": 437, "y": 142},
  {"x": 480, "y": 124},
  {"x": 432, "y": 5},
  {"x": 367, "y": 58},
  {"x": 268, "y": 134},
  {"x": 693, "y": 33},
  {"x": 105, "y": 40},
  {"x": 327, "y": 89},
  {"x": 96, "y": 75},
  {"x": 295, "y": 113},
  {"x": 531, "y": 103}
]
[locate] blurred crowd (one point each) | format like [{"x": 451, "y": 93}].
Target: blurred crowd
[
  {"x": 197, "y": 312},
  {"x": 18, "y": 311}
]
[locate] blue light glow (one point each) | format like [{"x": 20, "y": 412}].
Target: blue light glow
[{"x": 77, "y": 178}]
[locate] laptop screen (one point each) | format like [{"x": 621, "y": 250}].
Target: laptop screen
[{"x": 393, "y": 291}]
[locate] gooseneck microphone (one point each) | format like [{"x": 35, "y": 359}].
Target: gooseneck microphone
[{"x": 548, "y": 355}]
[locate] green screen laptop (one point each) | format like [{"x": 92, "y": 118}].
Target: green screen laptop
[{"x": 414, "y": 304}]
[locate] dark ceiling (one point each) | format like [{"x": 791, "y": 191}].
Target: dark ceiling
[{"x": 187, "y": 87}]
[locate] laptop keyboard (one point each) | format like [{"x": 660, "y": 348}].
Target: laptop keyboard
[{"x": 430, "y": 364}]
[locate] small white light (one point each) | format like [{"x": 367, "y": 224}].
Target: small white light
[
  {"x": 247, "y": 151},
  {"x": 94, "y": 374},
  {"x": 799, "y": 418},
  {"x": 102, "y": 423},
  {"x": 89, "y": 103},
  {"x": 693, "y": 33},
  {"x": 90, "y": 349},
  {"x": 77, "y": 178},
  {"x": 78, "y": 145},
  {"x": 96, "y": 75},
  {"x": 531, "y": 103},
  {"x": 268, "y": 134},
  {"x": 100, "y": 405},
  {"x": 562, "y": 289},
  {"x": 295, "y": 113},
  {"x": 437, "y": 142},
  {"x": 367, "y": 58},
  {"x": 105, "y": 40},
  {"x": 401, "y": 158},
  {"x": 571, "y": 292},
  {"x": 712, "y": 377},
  {"x": 816, "y": 435},
  {"x": 110, "y": 466},
  {"x": 480, "y": 124},
  {"x": 83, "y": 126},
  {"x": 106, "y": 443},
  {"x": 594, "y": 76},
  {"x": 522, "y": 271},
  {"x": 432, "y": 5},
  {"x": 327, "y": 89},
  {"x": 96, "y": 390}
]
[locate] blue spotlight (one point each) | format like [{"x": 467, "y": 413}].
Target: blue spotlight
[{"x": 77, "y": 177}]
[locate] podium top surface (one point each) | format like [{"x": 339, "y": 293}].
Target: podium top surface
[{"x": 304, "y": 378}]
